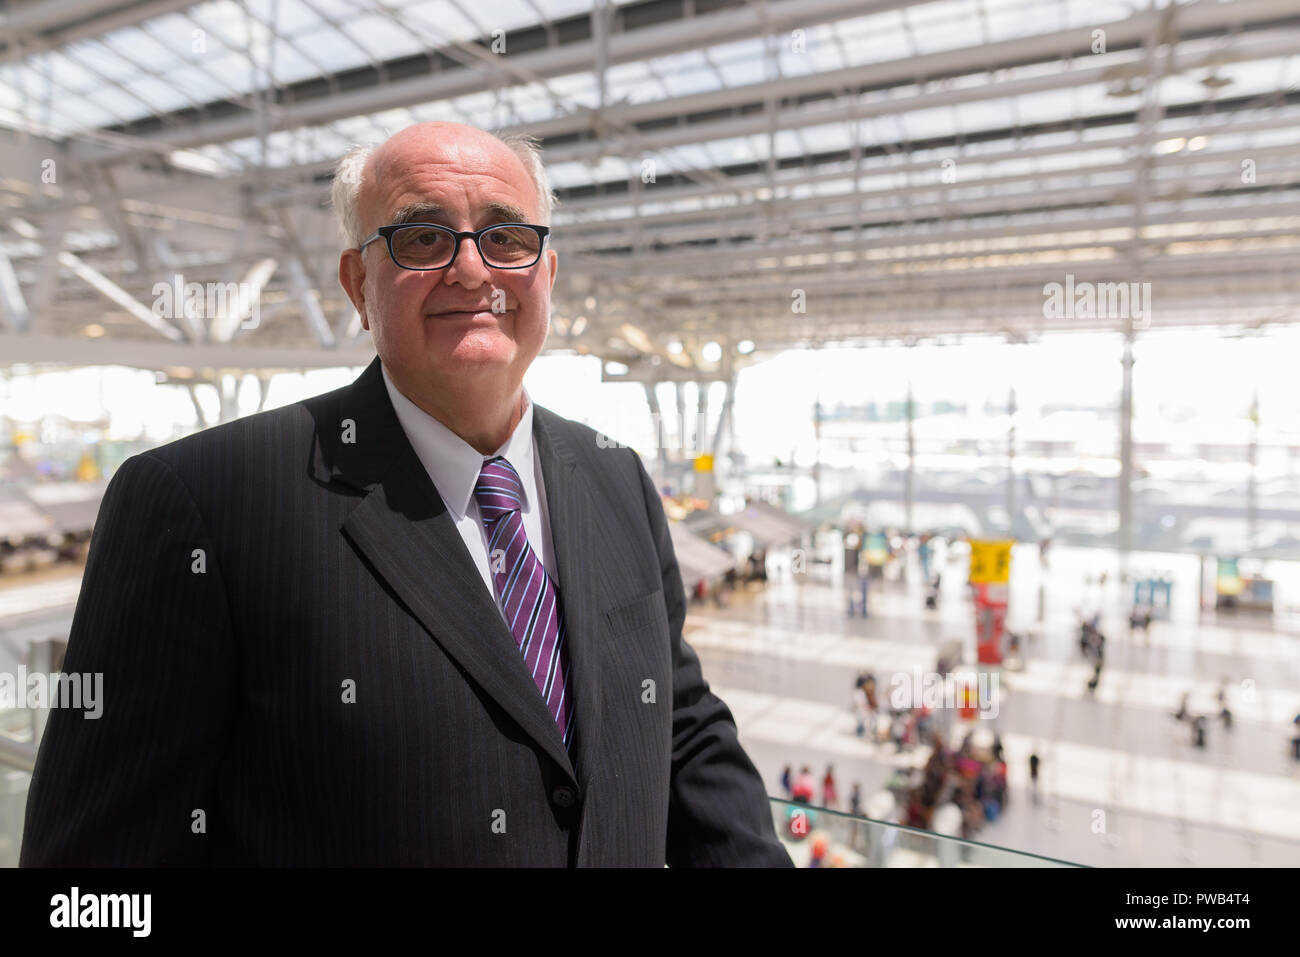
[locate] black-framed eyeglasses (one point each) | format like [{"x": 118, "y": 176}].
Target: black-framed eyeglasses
[{"x": 425, "y": 246}]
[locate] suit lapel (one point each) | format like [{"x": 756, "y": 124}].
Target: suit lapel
[
  {"x": 570, "y": 501},
  {"x": 404, "y": 530}
]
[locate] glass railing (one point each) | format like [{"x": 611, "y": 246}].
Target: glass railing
[
  {"x": 16, "y": 758},
  {"x": 832, "y": 838},
  {"x": 816, "y": 837}
]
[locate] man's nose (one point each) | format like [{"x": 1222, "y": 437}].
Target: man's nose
[{"x": 469, "y": 269}]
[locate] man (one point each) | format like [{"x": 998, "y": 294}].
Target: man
[{"x": 415, "y": 621}]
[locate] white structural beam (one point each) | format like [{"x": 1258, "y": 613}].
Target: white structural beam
[
  {"x": 11, "y": 297},
  {"x": 846, "y": 110},
  {"x": 309, "y": 303},
  {"x": 111, "y": 290},
  {"x": 151, "y": 354},
  {"x": 245, "y": 304},
  {"x": 53, "y": 23}
]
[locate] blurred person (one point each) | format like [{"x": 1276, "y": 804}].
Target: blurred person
[
  {"x": 924, "y": 724},
  {"x": 1140, "y": 618},
  {"x": 898, "y": 730},
  {"x": 785, "y": 781},
  {"x": 932, "y": 591},
  {"x": 852, "y": 558},
  {"x": 1225, "y": 714},
  {"x": 863, "y": 574},
  {"x": 308, "y": 621},
  {"x": 830, "y": 796},
  {"x": 1096, "y": 677},
  {"x": 805, "y": 788},
  {"x": 820, "y": 847},
  {"x": 855, "y": 800},
  {"x": 1034, "y": 763},
  {"x": 861, "y": 711}
]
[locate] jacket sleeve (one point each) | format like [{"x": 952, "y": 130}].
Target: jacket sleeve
[
  {"x": 152, "y": 626},
  {"x": 718, "y": 811}
]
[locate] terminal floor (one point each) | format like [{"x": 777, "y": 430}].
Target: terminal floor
[{"x": 1121, "y": 783}]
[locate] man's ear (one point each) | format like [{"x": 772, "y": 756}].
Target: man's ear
[
  {"x": 352, "y": 277},
  {"x": 552, "y": 262}
]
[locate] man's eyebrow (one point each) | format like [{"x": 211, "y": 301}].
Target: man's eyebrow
[
  {"x": 437, "y": 213},
  {"x": 505, "y": 213},
  {"x": 419, "y": 213}
]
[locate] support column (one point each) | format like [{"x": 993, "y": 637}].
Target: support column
[
  {"x": 1252, "y": 490},
  {"x": 817, "y": 451},
  {"x": 679, "y": 415},
  {"x": 701, "y": 431},
  {"x": 1125, "y": 539},
  {"x": 1011, "y": 463},
  {"x": 724, "y": 417},
  {"x": 657, "y": 424},
  {"x": 228, "y": 391},
  {"x": 909, "y": 487},
  {"x": 198, "y": 409}
]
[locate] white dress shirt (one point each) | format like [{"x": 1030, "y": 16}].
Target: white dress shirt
[{"x": 454, "y": 465}]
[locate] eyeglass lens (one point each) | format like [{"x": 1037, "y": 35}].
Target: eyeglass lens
[{"x": 430, "y": 247}]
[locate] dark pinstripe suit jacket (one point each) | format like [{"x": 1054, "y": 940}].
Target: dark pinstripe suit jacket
[{"x": 302, "y": 666}]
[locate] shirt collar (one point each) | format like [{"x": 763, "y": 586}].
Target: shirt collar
[{"x": 454, "y": 464}]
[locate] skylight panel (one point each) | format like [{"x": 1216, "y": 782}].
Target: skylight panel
[
  {"x": 105, "y": 62},
  {"x": 330, "y": 48},
  {"x": 384, "y": 39},
  {"x": 67, "y": 73},
  {"x": 444, "y": 20},
  {"x": 702, "y": 80}
]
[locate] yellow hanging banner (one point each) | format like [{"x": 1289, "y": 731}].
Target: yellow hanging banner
[
  {"x": 704, "y": 463},
  {"x": 990, "y": 562}
]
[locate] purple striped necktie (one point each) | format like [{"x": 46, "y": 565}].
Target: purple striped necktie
[{"x": 526, "y": 593}]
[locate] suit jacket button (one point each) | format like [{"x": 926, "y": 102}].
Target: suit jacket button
[{"x": 563, "y": 796}]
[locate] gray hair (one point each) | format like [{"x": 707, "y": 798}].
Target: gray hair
[{"x": 346, "y": 187}]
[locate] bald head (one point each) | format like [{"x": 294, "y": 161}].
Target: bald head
[{"x": 362, "y": 171}]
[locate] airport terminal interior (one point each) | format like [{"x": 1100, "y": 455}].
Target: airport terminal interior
[{"x": 958, "y": 336}]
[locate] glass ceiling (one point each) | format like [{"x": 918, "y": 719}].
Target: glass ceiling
[{"x": 225, "y": 50}]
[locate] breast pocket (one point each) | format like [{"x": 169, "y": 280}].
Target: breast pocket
[{"x": 639, "y": 613}]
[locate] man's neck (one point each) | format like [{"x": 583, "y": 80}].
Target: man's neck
[{"x": 485, "y": 421}]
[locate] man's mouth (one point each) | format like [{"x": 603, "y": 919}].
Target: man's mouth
[{"x": 469, "y": 314}]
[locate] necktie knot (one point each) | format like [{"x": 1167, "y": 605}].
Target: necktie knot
[{"x": 498, "y": 490}]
